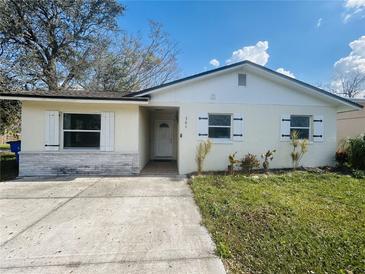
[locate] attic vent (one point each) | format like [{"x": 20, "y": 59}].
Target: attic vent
[{"x": 242, "y": 79}]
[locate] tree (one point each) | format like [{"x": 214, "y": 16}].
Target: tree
[
  {"x": 349, "y": 85},
  {"x": 132, "y": 63},
  {"x": 9, "y": 110},
  {"x": 49, "y": 43}
]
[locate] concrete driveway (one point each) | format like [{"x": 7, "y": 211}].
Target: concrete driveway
[{"x": 103, "y": 225}]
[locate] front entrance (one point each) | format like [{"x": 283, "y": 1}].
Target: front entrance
[{"x": 163, "y": 140}]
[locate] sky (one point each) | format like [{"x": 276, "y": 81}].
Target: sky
[{"x": 308, "y": 40}]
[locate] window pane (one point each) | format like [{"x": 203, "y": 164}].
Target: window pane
[
  {"x": 219, "y": 120},
  {"x": 81, "y": 139},
  {"x": 303, "y": 133},
  {"x": 299, "y": 121},
  {"x": 219, "y": 132},
  {"x": 81, "y": 121}
]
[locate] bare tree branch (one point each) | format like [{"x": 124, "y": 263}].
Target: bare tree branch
[{"x": 349, "y": 85}]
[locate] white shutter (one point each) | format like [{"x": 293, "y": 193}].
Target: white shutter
[
  {"x": 285, "y": 128},
  {"x": 318, "y": 130},
  {"x": 203, "y": 126},
  {"x": 238, "y": 127},
  {"x": 52, "y": 130},
  {"x": 107, "y": 131}
]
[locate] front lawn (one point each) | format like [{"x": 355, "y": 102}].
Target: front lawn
[{"x": 291, "y": 223}]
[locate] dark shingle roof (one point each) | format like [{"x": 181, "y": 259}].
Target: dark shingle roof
[{"x": 73, "y": 94}]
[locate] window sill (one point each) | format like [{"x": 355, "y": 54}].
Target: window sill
[{"x": 221, "y": 141}]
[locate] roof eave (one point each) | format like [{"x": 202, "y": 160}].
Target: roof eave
[{"x": 74, "y": 99}]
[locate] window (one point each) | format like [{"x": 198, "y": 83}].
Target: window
[
  {"x": 301, "y": 124},
  {"x": 242, "y": 79},
  {"x": 219, "y": 126},
  {"x": 81, "y": 130}
]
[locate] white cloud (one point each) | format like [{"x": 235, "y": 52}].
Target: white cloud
[
  {"x": 353, "y": 7},
  {"x": 257, "y": 54},
  {"x": 286, "y": 72},
  {"x": 319, "y": 22},
  {"x": 214, "y": 62},
  {"x": 355, "y": 3},
  {"x": 351, "y": 64},
  {"x": 355, "y": 61}
]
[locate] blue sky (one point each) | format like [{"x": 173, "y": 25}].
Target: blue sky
[{"x": 296, "y": 41}]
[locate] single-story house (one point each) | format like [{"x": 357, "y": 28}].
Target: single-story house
[
  {"x": 243, "y": 108},
  {"x": 351, "y": 123}
]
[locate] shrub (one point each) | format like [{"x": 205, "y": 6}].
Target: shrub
[
  {"x": 359, "y": 174},
  {"x": 268, "y": 156},
  {"x": 249, "y": 162},
  {"x": 300, "y": 147},
  {"x": 232, "y": 162},
  {"x": 356, "y": 152},
  {"x": 341, "y": 157},
  {"x": 202, "y": 151}
]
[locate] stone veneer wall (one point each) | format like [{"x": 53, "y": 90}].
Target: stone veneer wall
[{"x": 58, "y": 163}]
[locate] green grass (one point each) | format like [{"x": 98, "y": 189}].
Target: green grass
[{"x": 292, "y": 223}]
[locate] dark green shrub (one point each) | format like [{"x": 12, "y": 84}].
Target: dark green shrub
[
  {"x": 8, "y": 166},
  {"x": 356, "y": 152}
]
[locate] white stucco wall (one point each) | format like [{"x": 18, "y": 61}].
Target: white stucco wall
[
  {"x": 262, "y": 103},
  {"x": 261, "y": 132},
  {"x": 144, "y": 136},
  {"x": 33, "y": 123}
]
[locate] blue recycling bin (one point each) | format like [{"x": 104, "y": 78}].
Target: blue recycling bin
[{"x": 15, "y": 146}]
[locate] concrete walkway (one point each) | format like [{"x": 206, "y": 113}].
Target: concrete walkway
[{"x": 103, "y": 225}]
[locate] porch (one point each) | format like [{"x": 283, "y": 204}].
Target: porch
[
  {"x": 158, "y": 140},
  {"x": 160, "y": 167}
]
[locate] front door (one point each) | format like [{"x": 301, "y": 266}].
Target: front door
[{"x": 163, "y": 138}]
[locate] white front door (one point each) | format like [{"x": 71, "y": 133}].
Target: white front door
[{"x": 163, "y": 138}]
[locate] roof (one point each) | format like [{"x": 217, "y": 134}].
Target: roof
[
  {"x": 143, "y": 95},
  {"x": 72, "y": 94},
  {"x": 359, "y": 100},
  {"x": 239, "y": 64}
]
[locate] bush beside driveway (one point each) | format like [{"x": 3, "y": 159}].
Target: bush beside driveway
[{"x": 290, "y": 223}]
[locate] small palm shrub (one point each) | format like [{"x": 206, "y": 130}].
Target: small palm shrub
[
  {"x": 299, "y": 148},
  {"x": 249, "y": 163},
  {"x": 202, "y": 151},
  {"x": 232, "y": 162},
  {"x": 268, "y": 156}
]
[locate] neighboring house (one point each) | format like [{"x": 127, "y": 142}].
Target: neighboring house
[
  {"x": 242, "y": 107},
  {"x": 351, "y": 123}
]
